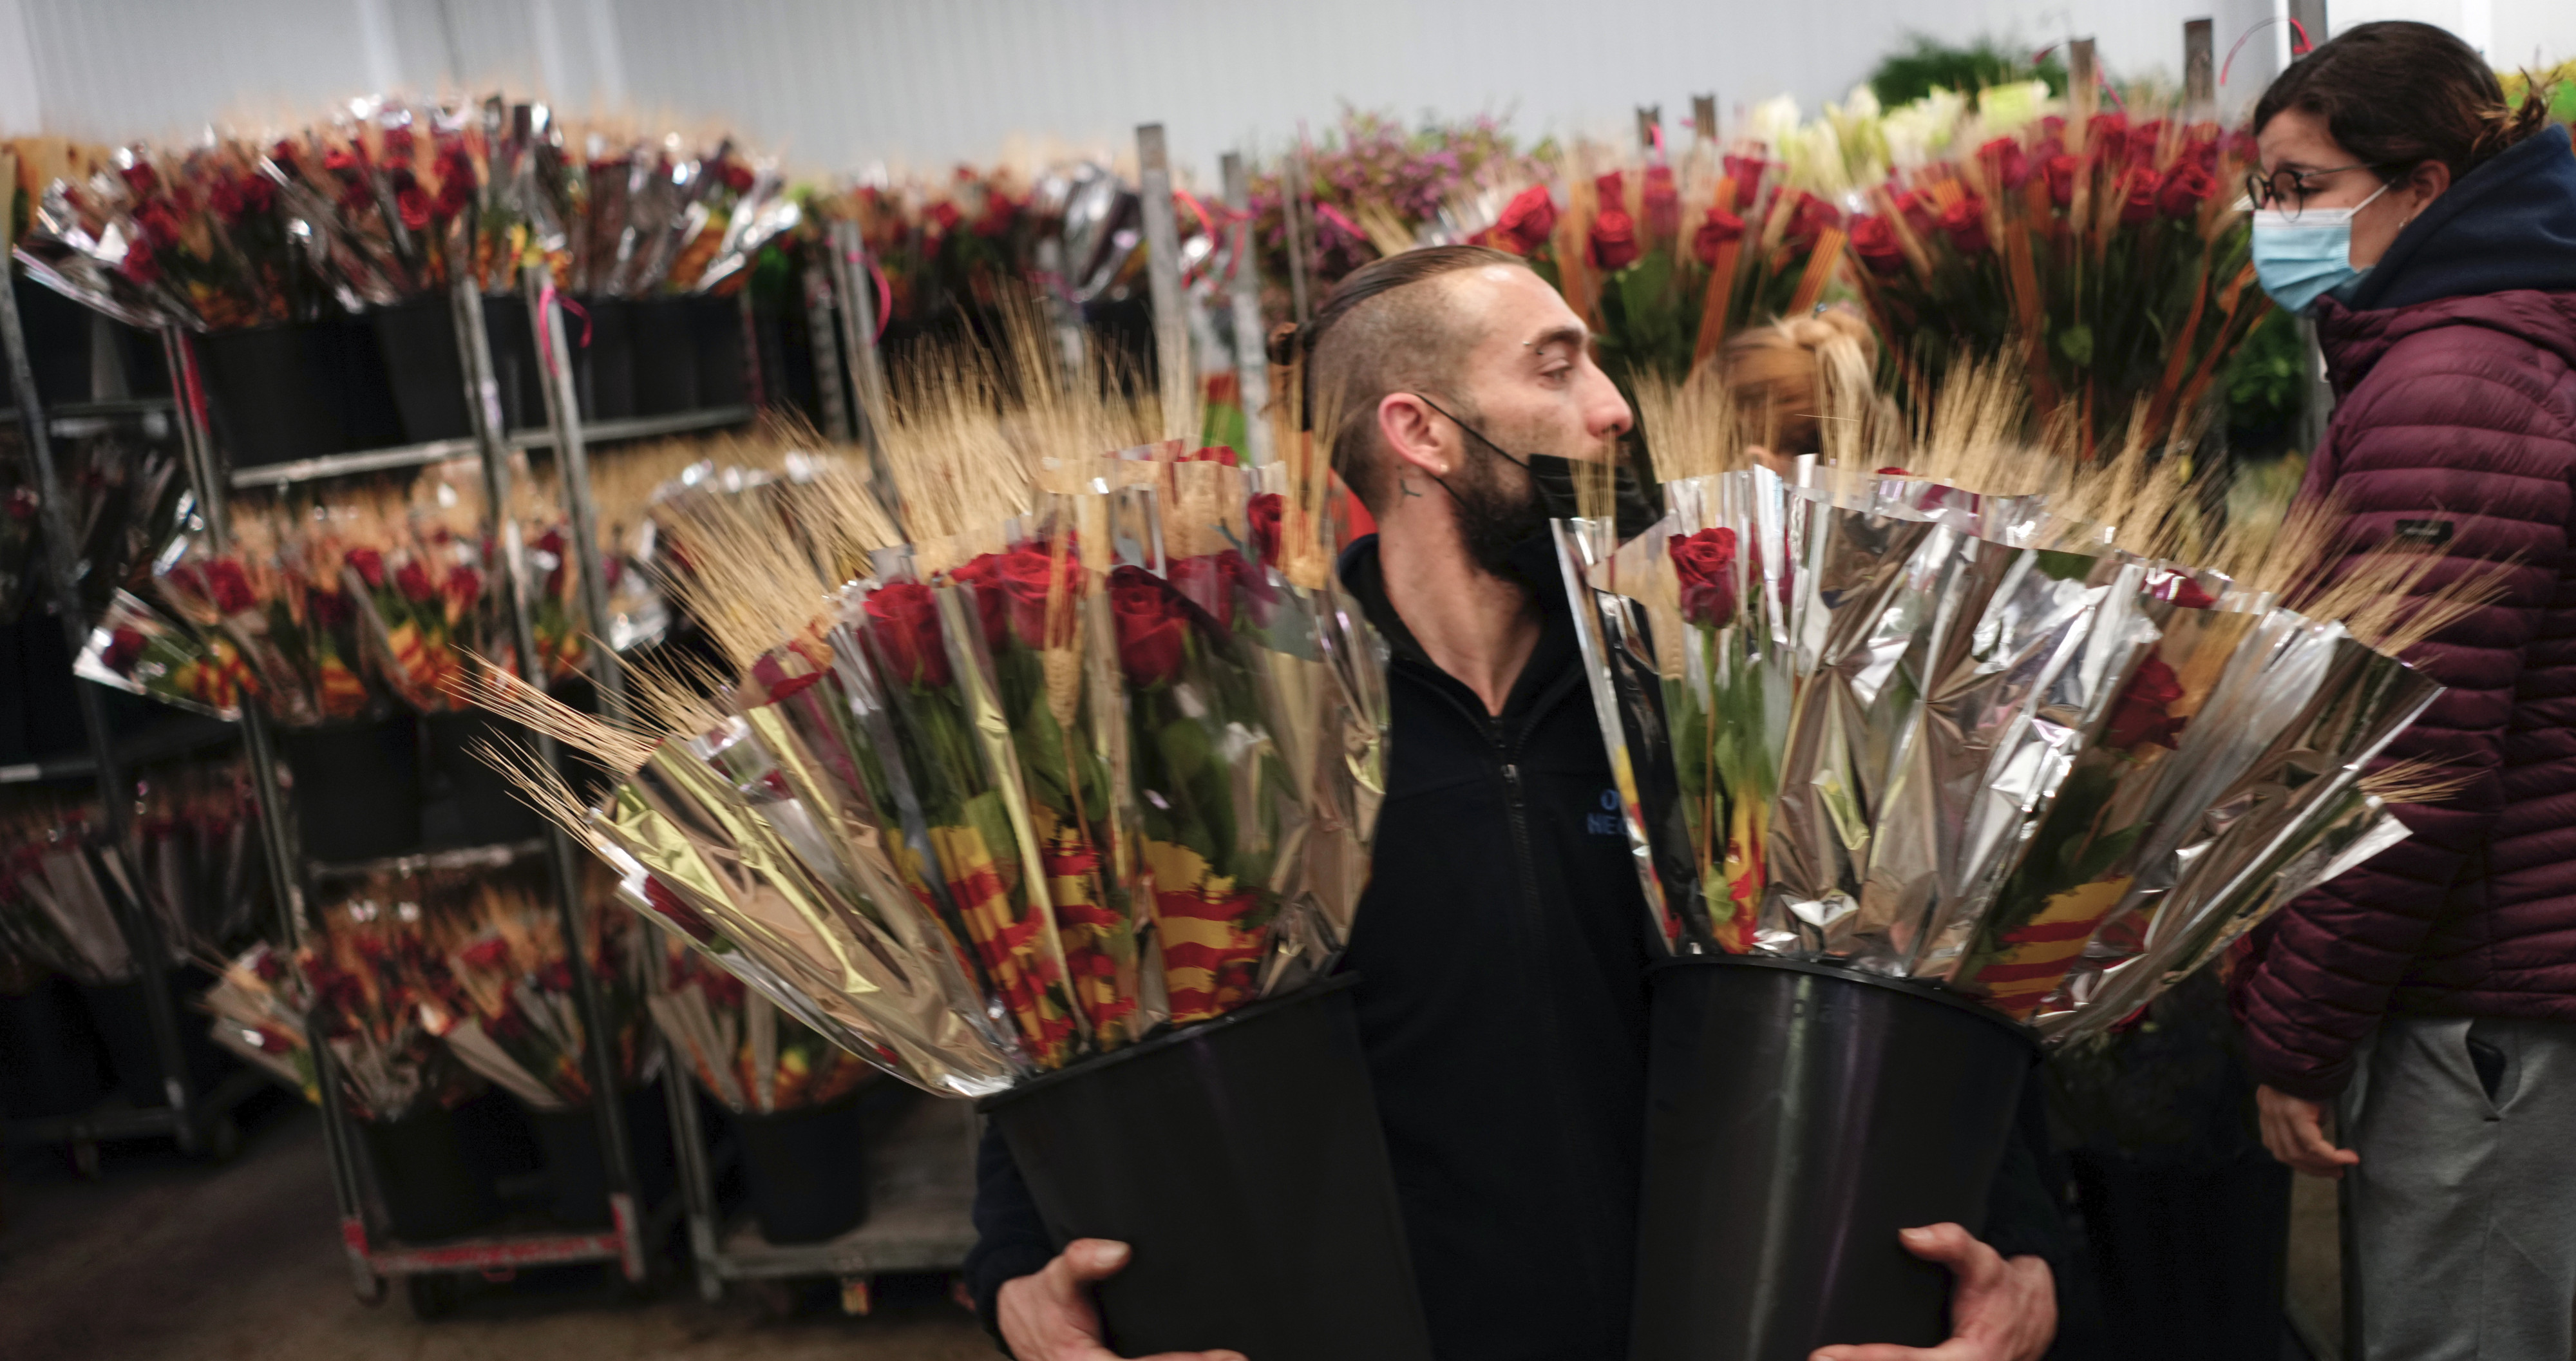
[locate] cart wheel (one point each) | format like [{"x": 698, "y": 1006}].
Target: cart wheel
[
  {"x": 433, "y": 1295},
  {"x": 223, "y": 1140},
  {"x": 373, "y": 1291},
  {"x": 85, "y": 1158}
]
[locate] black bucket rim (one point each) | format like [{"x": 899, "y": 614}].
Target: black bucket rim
[
  {"x": 1912, "y": 987},
  {"x": 1169, "y": 1039}
]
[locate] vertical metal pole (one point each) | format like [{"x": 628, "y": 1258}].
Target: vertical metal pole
[
  {"x": 572, "y": 473},
  {"x": 855, "y": 286},
  {"x": 2199, "y": 73},
  {"x": 285, "y": 867},
  {"x": 756, "y": 378},
  {"x": 2081, "y": 79},
  {"x": 1251, "y": 345},
  {"x": 1292, "y": 206},
  {"x": 62, "y": 557},
  {"x": 831, "y": 397},
  {"x": 1649, "y": 116},
  {"x": 1163, "y": 277}
]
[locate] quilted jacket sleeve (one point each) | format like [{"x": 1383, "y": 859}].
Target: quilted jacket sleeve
[{"x": 2457, "y": 426}]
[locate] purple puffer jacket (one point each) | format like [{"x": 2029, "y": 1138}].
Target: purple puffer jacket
[{"x": 2455, "y": 416}]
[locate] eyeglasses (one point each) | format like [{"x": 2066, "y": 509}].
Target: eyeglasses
[{"x": 2287, "y": 190}]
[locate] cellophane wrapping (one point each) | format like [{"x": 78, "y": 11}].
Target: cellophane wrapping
[{"x": 1958, "y": 738}]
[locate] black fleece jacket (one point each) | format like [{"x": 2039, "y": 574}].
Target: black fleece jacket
[{"x": 1501, "y": 950}]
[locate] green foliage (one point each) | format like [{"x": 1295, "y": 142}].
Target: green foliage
[
  {"x": 1925, "y": 64},
  {"x": 2267, "y": 378}
]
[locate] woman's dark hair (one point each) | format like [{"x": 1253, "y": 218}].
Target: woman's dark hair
[
  {"x": 1377, "y": 334},
  {"x": 2398, "y": 94}
]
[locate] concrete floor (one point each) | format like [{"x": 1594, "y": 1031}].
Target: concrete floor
[{"x": 172, "y": 1260}]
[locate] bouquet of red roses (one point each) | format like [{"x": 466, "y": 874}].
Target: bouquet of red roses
[{"x": 504, "y": 1002}]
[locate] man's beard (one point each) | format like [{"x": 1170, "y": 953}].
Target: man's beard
[{"x": 1498, "y": 510}]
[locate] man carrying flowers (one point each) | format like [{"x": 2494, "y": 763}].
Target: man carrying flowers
[{"x": 1502, "y": 943}]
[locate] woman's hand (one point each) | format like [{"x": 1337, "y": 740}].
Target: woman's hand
[{"x": 2295, "y": 1131}]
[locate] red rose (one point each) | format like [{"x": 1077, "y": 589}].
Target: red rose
[
  {"x": 139, "y": 178},
  {"x": 413, "y": 581},
  {"x": 2144, "y": 139},
  {"x": 1011, "y": 593},
  {"x": 1810, "y": 220},
  {"x": 1612, "y": 189},
  {"x": 1662, "y": 202},
  {"x": 2107, "y": 134},
  {"x": 124, "y": 648},
  {"x": 1213, "y": 453},
  {"x": 159, "y": 223},
  {"x": 1916, "y": 209},
  {"x": 414, "y": 206},
  {"x": 904, "y": 620},
  {"x": 944, "y": 216},
  {"x": 343, "y": 161},
  {"x": 486, "y": 955},
  {"x": 139, "y": 265},
  {"x": 1265, "y": 512},
  {"x": 1153, "y": 634},
  {"x": 331, "y": 609},
  {"x": 1720, "y": 228},
  {"x": 735, "y": 175},
  {"x": 556, "y": 977},
  {"x": 2139, "y": 719},
  {"x": 2006, "y": 165},
  {"x": 998, "y": 213},
  {"x": 1614, "y": 241},
  {"x": 1705, "y": 563},
  {"x": 1875, "y": 242},
  {"x": 229, "y": 586},
  {"x": 1746, "y": 171},
  {"x": 1527, "y": 221},
  {"x": 464, "y": 588},
  {"x": 2141, "y": 203},
  {"x": 1965, "y": 221},
  {"x": 2062, "y": 170},
  {"x": 1209, "y": 580},
  {"x": 370, "y": 565},
  {"x": 2184, "y": 191}
]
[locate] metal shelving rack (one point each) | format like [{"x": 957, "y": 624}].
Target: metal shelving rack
[
  {"x": 428, "y": 1269},
  {"x": 199, "y": 1120},
  {"x": 921, "y": 1154}
]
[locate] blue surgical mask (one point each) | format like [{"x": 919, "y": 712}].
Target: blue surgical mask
[{"x": 2299, "y": 259}]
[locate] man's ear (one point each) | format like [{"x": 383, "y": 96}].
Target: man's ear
[{"x": 1414, "y": 434}]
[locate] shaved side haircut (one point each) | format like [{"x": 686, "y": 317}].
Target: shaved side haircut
[{"x": 1389, "y": 327}]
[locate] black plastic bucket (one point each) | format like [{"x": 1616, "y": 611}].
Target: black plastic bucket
[
  {"x": 357, "y": 787},
  {"x": 716, "y": 332},
  {"x": 1798, "y": 1116},
  {"x": 806, "y": 1171},
  {"x": 665, "y": 356},
  {"x": 499, "y": 1142},
  {"x": 576, "y": 1174},
  {"x": 274, "y": 391},
  {"x": 58, "y": 342},
  {"x": 488, "y": 807},
  {"x": 603, "y": 370},
  {"x": 428, "y": 1178},
  {"x": 50, "y": 1060},
  {"x": 117, "y": 1011},
  {"x": 1243, "y": 1162},
  {"x": 418, "y": 340},
  {"x": 363, "y": 389}
]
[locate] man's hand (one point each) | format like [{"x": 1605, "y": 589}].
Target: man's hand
[
  {"x": 1048, "y": 1316},
  {"x": 1999, "y": 1310},
  {"x": 2295, "y": 1131}
]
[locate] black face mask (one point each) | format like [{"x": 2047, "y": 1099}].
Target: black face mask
[{"x": 1489, "y": 512}]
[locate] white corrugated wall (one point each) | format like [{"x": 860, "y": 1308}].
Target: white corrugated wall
[{"x": 838, "y": 85}]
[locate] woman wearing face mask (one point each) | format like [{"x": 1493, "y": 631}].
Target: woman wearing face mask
[{"x": 2430, "y": 231}]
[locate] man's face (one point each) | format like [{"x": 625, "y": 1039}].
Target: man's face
[
  {"x": 1530, "y": 380},
  {"x": 1529, "y": 385}
]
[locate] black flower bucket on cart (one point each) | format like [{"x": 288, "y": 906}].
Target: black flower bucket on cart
[
  {"x": 577, "y": 1172},
  {"x": 1798, "y": 1116},
  {"x": 716, "y": 332},
  {"x": 428, "y": 1176},
  {"x": 357, "y": 786},
  {"x": 665, "y": 356},
  {"x": 1242, "y": 1161},
  {"x": 806, "y": 1170},
  {"x": 488, "y": 808},
  {"x": 51, "y": 1062},
  {"x": 275, "y": 392}
]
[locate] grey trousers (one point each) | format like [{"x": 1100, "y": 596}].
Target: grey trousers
[{"x": 2464, "y": 1205}]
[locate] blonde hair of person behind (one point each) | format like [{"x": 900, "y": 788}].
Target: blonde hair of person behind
[{"x": 1785, "y": 376}]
